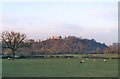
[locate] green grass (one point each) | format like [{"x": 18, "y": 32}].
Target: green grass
[{"x": 59, "y": 68}]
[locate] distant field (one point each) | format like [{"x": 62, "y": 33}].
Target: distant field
[
  {"x": 106, "y": 56},
  {"x": 59, "y": 68}
]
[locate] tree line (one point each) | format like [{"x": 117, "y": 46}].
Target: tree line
[{"x": 17, "y": 43}]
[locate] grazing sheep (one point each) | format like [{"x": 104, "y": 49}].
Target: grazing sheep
[
  {"x": 104, "y": 60},
  {"x": 94, "y": 60},
  {"x": 82, "y": 61},
  {"x": 8, "y": 58}
]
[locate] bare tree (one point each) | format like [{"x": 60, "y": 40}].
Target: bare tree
[{"x": 14, "y": 40}]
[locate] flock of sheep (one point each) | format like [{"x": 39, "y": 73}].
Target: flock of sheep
[{"x": 82, "y": 61}]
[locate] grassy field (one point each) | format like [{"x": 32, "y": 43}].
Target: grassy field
[
  {"x": 86, "y": 55},
  {"x": 59, "y": 68}
]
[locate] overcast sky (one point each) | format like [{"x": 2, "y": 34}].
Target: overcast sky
[{"x": 41, "y": 20}]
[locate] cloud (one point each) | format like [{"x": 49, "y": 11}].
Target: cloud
[{"x": 87, "y": 20}]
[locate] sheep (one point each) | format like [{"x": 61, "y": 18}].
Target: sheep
[
  {"x": 104, "y": 60},
  {"x": 82, "y": 61},
  {"x": 94, "y": 60}
]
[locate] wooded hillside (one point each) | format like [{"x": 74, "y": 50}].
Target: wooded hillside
[{"x": 70, "y": 44}]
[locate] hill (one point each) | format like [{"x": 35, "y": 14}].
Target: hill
[{"x": 70, "y": 44}]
